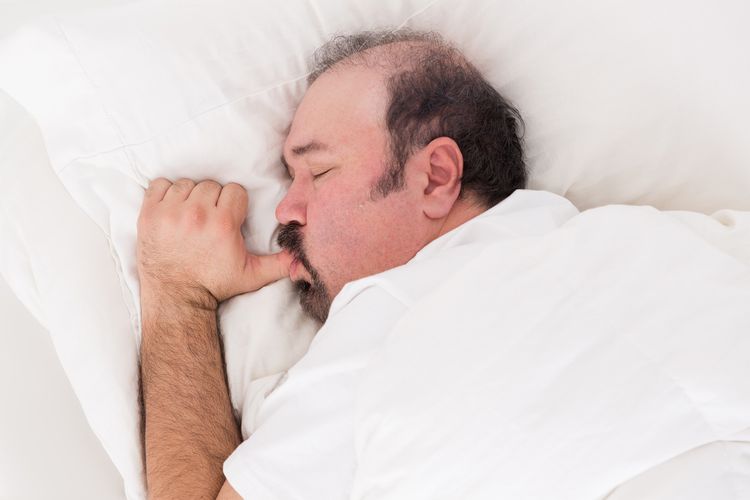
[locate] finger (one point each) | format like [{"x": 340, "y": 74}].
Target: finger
[
  {"x": 206, "y": 191},
  {"x": 180, "y": 190},
  {"x": 156, "y": 190},
  {"x": 233, "y": 198},
  {"x": 260, "y": 270}
]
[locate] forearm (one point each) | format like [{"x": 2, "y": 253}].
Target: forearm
[{"x": 189, "y": 425}]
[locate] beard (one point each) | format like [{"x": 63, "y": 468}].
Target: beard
[{"x": 313, "y": 296}]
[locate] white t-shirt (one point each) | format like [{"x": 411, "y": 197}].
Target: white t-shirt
[{"x": 304, "y": 445}]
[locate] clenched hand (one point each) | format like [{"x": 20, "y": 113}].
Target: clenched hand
[{"x": 190, "y": 245}]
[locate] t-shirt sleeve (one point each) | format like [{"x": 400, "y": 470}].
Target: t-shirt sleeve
[
  {"x": 300, "y": 452},
  {"x": 303, "y": 447}
]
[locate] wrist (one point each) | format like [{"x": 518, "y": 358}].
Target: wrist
[{"x": 176, "y": 295}]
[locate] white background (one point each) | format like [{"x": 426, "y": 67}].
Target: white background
[{"x": 47, "y": 449}]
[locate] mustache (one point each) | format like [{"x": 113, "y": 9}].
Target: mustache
[
  {"x": 314, "y": 296},
  {"x": 290, "y": 239}
]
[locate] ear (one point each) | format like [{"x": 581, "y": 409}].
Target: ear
[{"x": 443, "y": 166}]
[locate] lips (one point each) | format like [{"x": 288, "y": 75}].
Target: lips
[
  {"x": 298, "y": 272},
  {"x": 293, "y": 269}
]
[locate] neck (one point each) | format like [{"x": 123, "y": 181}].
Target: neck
[{"x": 462, "y": 211}]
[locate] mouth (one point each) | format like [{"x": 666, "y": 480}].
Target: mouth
[
  {"x": 300, "y": 270},
  {"x": 297, "y": 271},
  {"x": 293, "y": 269}
]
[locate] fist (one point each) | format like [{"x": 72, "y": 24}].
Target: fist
[{"x": 190, "y": 244}]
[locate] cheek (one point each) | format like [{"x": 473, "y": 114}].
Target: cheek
[
  {"x": 339, "y": 208},
  {"x": 360, "y": 239},
  {"x": 349, "y": 236},
  {"x": 341, "y": 231},
  {"x": 337, "y": 226},
  {"x": 331, "y": 218}
]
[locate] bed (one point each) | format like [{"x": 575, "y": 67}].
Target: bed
[{"x": 623, "y": 105}]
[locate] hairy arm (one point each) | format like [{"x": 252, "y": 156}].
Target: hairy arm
[
  {"x": 190, "y": 427},
  {"x": 191, "y": 256}
]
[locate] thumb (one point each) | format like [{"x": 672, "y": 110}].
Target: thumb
[{"x": 260, "y": 270}]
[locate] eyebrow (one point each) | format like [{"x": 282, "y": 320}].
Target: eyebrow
[{"x": 310, "y": 147}]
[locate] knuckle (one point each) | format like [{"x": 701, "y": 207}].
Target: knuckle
[
  {"x": 184, "y": 184},
  {"x": 210, "y": 184},
  {"x": 168, "y": 219},
  {"x": 147, "y": 218},
  {"x": 159, "y": 181},
  {"x": 168, "y": 222},
  {"x": 195, "y": 214},
  {"x": 236, "y": 190},
  {"x": 225, "y": 222}
]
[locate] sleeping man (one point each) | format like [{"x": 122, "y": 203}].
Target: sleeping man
[
  {"x": 398, "y": 142},
  {"x": 406, "y": 165}
]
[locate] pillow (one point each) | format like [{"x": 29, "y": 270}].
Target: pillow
[
  {"x": 624, "y": 103},
  {"x": 58, "y": 262}
]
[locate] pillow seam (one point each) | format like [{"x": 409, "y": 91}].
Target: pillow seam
[
  {"x": 110, "y": 119},
  {"x": 129, "y": 301}
]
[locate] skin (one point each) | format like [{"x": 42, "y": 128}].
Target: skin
[
  {"x": 191, "y": 257},
  {"x": 335, "y": 152}
]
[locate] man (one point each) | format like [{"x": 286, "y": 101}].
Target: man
[{"x": 397, "y": 142}]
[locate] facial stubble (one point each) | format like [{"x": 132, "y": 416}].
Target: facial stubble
[{"x": 314, "y": 297}]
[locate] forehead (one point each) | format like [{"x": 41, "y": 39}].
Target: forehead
[{"x": 344, "y": 106}]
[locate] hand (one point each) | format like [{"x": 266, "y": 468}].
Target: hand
[{"x": 190, "y": 244}]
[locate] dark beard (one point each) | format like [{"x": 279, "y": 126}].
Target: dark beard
[{"x": 313, "y": 297}]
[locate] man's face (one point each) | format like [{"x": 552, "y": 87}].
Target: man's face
[{"x": 333, "y": 222}]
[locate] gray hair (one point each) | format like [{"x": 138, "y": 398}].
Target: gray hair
[
  {"x": 434, "y": 91},
  {"x": 352, "y": 48}
]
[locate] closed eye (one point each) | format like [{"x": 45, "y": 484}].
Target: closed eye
[{"x": 321, "y": 174}]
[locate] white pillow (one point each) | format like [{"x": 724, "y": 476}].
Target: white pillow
[
  {"x": 58, "y": 262},
  {"x": 624, "y": 103}
]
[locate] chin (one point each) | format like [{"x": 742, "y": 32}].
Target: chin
[{"x": 314, "y": 299}]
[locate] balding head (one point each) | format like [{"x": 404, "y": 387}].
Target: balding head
[
  {"x": 433, "y": 91},
  {"x": 388, "y": 51},
  {"x": 397, "y": 141}
]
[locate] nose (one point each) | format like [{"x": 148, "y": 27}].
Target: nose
[{"x": 293, "y": 207}]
